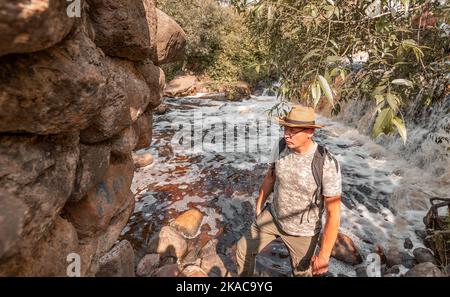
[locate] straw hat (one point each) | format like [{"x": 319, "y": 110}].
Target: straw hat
[{"x": 299, "y": 116}]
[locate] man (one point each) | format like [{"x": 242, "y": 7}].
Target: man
[{"x": 298, "y": 200}]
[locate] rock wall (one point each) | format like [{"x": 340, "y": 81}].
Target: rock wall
[{"x": 76, "y": 98}]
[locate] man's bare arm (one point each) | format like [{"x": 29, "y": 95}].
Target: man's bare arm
[
  {"x": 330, "y": 232},
  {"x": 265, "y": 189}
]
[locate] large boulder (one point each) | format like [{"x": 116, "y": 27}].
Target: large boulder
[
  {"x": 212, "y": 262},
  {"x": 13, "y": 215},
  {"x": 148, "y": 265},
  {"x": 37, "y": 174},
  {"x": 109, "y": 236},
  {"x": 124, "y": 143},
  {"x": 171, "y": 39},
  {"x": 155, "y": 79},
  {"x": 118, "y": 262},
  {"x": 188, "y": 223},
  {"x": 346, "y": 251},
  {"x": 92, "y": 166},
  {"x": 32, "y": 25},
  {"x": 144, "y": 130},
  {"x": 168, "y": 242},
  {"x": 48, "y": 256},
  {"x": 52, "y": 91},
  {"x": 396, "y": 257},
  {"x": 424, "y": 255},
  {"x": 426, "y": 269},
  {"x": 121, "y": 27},
  {"x": 182, "y": 85},
  {"x": 93, "y": 214},
  {"x": 127, "y": 98},
  {"x": 93, "y": 248}
]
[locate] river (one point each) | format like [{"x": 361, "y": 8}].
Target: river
[{"x": 384, "y": 196}]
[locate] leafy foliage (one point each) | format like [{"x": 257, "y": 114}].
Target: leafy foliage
[
  {"x": 387, "y": 51},
  {"x": 218, "y": 42}
]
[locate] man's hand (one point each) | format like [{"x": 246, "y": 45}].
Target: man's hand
[
  {"x": 320, "y": 261},
  {"x": 319, "y": 264},
  {"x": 265, "y": 190}
]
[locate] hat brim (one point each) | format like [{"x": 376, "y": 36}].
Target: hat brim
[{"x": 282, "y": 122}]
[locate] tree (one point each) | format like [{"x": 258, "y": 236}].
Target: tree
[
  {"x": 387, "y": 51},
  {"x": 218, "y": 42}
]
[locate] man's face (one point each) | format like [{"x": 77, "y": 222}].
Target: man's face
[{"x": 296, "y": 136}]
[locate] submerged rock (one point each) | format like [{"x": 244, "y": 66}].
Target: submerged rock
[
  {"x": 346, "y": 251},
  {"x": 408, "y": 244}
]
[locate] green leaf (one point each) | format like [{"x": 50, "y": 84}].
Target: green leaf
[
  {"x": 409, "y": 43},
  {"x": 393, "y": 101},
  {"x": 382, "y": 121},
  {"x": 333, "y": 59},
  {"x": 379, "y": 99},
  {"x": 400, "y": 125},
  {"x": 315, "y": 93},
  {"x": 311, "y": 54},
  {"x": 258, "y": 68},
  {"x": 402, "y": 82},
  {"x": 335, "y": 71},
  {"x": 326, "y": 89},
  {"x": 379, "y": 90},
  {"x": 334, "y": 43}
]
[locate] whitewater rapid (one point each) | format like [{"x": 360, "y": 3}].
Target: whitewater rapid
[{"x": 384, "y": 196}]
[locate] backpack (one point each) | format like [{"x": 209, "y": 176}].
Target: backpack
[{"x": 317, "y": 170}]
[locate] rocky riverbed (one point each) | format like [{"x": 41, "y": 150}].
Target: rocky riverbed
[{"x": 195, "y": 201}]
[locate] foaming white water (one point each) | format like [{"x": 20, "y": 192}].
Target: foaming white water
[{"x": 385, "y": 184}]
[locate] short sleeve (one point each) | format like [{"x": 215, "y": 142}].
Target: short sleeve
[{"x": 332, "y": 179}]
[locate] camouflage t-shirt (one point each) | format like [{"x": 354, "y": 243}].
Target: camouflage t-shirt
[{"x": 294, "y": 190}]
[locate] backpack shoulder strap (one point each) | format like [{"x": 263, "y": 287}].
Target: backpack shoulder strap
[
  {"x": 281, "y": 145},
  {"x": 317, "y": 165},
  {"x": 317, "y": 170}
]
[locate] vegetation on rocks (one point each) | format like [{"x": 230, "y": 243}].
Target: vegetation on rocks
[{"x": 387, "y": 51}]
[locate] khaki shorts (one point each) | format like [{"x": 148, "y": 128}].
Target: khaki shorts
[{"x": 262, "y": 232}]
